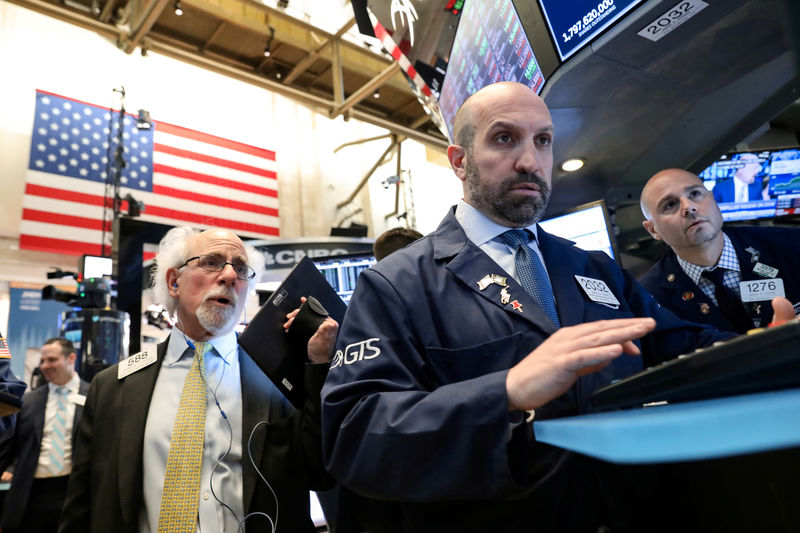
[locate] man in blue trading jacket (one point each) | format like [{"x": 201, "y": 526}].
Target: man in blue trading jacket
[
  {"x": 443, "y": 351},
  {"x": 755, "y": 264}
]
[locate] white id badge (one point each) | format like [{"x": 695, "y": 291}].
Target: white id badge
[
  {"x": 136, "y": 362},
  {"x": 758, "y": 290},
  {"x": 597, "y": 290}
]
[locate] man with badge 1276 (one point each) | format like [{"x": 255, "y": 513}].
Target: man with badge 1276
[{"x": 753, "y": 264}]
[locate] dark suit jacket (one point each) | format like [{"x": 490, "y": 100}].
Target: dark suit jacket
[
  {"x": 724, "y": 190},
  {"x": 25, "y": 446},
  {"x": 777, "y": 247},
  {"x": 105, "y": 489}
]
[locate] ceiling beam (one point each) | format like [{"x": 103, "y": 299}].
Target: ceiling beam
[
  {"x": 366, "y": 89},
  {"x": 314, "y": 54},
  {"x": 145, "y": 23}
]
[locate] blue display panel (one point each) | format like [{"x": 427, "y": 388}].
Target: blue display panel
[
  {"x": 753, "y": 185},
  {"x": 574, "y": 23},
  {"x": 588, "y": 226},
  {"x": 341, "y": 271},
  {"x": 490, "y": 46}
]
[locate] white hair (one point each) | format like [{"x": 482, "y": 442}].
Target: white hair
[{"x": 173, "y": 252}]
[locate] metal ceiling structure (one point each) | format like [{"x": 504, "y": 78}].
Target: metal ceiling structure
[
  {"x": 324, "y": 70},
  {"x": 627, "y": 105}
]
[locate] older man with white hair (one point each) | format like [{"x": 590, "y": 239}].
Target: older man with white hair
[{"x": 195, "y": 437}]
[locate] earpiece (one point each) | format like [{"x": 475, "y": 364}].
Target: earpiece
[{"x": 175, "y": 285}]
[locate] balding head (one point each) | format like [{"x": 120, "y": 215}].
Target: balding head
[
  {"x": 647, "y": 200},
  {"x": 503, "y": 153}
]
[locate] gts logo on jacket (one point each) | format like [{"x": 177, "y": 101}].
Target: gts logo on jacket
[{"x": 356, "y": 352}]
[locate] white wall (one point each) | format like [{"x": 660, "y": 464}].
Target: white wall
[{"x": 38, "y": 52}]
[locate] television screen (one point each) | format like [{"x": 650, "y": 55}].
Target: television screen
[
  {"x": 341, "y": 271},
  {"x": 490, "y": 45},
  {"x": 588, "y": 226},
  {"x": 753, "y": 185},
  {"x": 573, "y": 24}
]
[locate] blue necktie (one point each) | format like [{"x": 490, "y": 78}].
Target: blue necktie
[
  {"x": 59, "y": 435},
  {"x": 531, "y": 272}
]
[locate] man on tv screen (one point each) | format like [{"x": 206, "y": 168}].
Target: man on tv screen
[
  {"x": 746, "y": 184},
  {"x": 723, "y": 278}
]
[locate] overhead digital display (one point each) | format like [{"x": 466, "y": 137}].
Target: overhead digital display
[
  {"x": 490, "y": 46},
  {"x": 576, "y": 22}
]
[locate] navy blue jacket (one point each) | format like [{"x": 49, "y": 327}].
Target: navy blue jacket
[
  {"x": 725, "y": 191},
  {"x": 415, "y": 405},
  {"x": 776, "y": 247}
]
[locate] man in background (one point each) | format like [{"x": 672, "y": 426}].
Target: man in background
[
  {"x": 723, "y": 278},
  {"x": 195, "y": 436},
  {"x": 452, "y": 346},
  {"x": 43, "y": 443},
  {"x": 392, "y": 240}
]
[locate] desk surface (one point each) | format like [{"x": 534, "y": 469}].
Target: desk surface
[{"x": 705, "y": 429}]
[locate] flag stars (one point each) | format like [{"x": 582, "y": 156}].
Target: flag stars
[
  {"x": 62, "y": 167},
  {"x": 106, "y": 131},
  {"x": 83, "y": 172},
  {"x": 44, "y": 116},
  {"x": 66, "y": 121},
  {"x": 73, "y": 162},
  {"x": 103, "y": 175},
  {"x": 87, "y": 126},
  {"x": 41, "y": 147},
  {"x": 85, "y": 156},
  {"x": 134, "y": 159},
  {"x": 143, "y": 168},
  {"x": 97, "y": 121},
  {"x": 143, "y": 154},
  {"x": 42, "y": 131},
  {"x": 67, "y": 106},
  {"x": 39, "y": 163},
  {"x": 52, "y": 158},
  {"x": 64, "y": 152},
  {"x": 56, "y": 111},
  {"x": 134, "y": 145},
  {"x": 75, "y": 131},
  {"x": 95, "y": 150},
  {"x": 85, "y": 141},
  {"x": 105, "y": 145},
  {"x": 94, "y": 166},
  {"x": 46, "y": 100},
  {"x": 52, "y": 141},
  {"x": 96, "y": 136},
  {"x": 87, "y": 111},
  {"x": 104, "y": 160},
  {"x": 74, "y": 146},
  {"x": 76, "y": 116},
  {"x": 134, "y": 174},
  {"x": 53, "y": 126},
  {"x": 142, "y": 183},
  {"x": 64, "y": 136},
  {"x": 123, "y": 179}
]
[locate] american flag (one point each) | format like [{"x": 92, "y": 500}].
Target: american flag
[
  {"x": 4, "y": 353},
  {"x": 181, "y": 175}
]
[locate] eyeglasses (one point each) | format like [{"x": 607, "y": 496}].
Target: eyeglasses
[{"x": 215, "y": 263}]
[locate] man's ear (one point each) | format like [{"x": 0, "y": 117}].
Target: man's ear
[
  {"x": 172, "y": 282},
  {"x": 651, "y": 229},
  {"x": 456, "y": 154}
]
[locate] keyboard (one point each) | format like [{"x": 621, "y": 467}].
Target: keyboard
[{"x": 762, "y": 360}]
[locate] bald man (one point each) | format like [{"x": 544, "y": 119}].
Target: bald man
[
  {"x": 260, "y": 456},
  {"x": 444, "y": 358},
  {"x": 755, "y": 264}
]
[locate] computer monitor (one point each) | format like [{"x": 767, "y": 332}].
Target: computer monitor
[
  {"x": 588, "y": 225},
  {"x": 95, "y": 266},
  {"x": 490, "y": 45},
  {"x": 757, "y": 184},
  {"x": 341, "y": 271}
]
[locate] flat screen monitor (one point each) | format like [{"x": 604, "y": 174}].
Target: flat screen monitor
[
  {"x": 754, "y": 185},
  {"x": 95, "y": 266},
  {"x": 588, "y": 226},
  {"x": 574, "y": 23},
  {"x": 341, "y": 271},
  {"x": 490, "y": 45}
]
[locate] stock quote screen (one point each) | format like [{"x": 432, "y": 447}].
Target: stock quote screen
[
  {"x": 490, "y": 46},
  {"x": 576, "y": 22}
]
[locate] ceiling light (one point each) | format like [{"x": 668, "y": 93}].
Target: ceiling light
[
  {"x": 376, "y": 94},
  {"x": 178, "y": 9},
  {"x": 571, "y": 165},
  {"x": 283, "y": 4},
  {"x": 268, "y": 48},
  {"x": 143, "y": 121}
]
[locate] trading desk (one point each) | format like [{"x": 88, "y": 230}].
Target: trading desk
[{"x": 705, "y": 429}]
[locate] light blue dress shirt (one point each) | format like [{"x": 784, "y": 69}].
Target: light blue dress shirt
[
  {"x": 222, "y": 377},
  {"x": 485, "y": 233}
]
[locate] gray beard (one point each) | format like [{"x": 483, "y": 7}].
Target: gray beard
[
  {"x": 215, "y": 319},
  {"x": 494, "y": 203}
]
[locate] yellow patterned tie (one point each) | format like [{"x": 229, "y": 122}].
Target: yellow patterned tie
[{"x": 180, "y": 498}]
